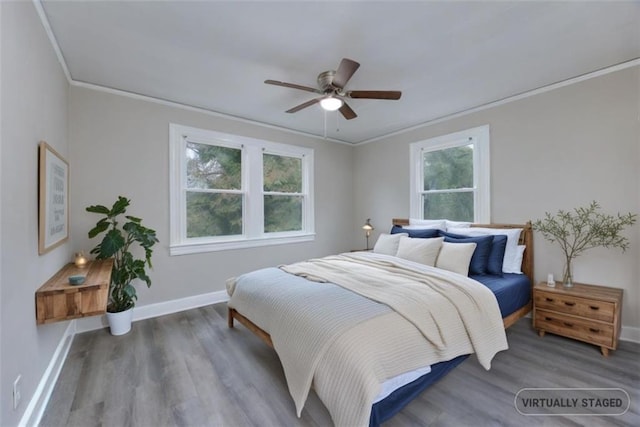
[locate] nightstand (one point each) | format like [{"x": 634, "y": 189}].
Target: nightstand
[{"x": 587, "y": 313}]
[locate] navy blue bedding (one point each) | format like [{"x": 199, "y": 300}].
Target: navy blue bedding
[
  {"x": 513, "y": 291},
  {"x": 392, "y": 404}
]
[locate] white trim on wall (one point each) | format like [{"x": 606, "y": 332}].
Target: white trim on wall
[
  {"x": 40, "y": 399},
  {"x": 56, "y": 48},
  {"x": 251, "y": 190},
  {"x": 480, "y": 138},
  {"x": 155, "y": 310},
  {"x": 629, "y": 333},
  {"x": 523, "y": 95},
  {"x": 34, "y": 412},
  {"x": 52, "y": 38},
  {"x": 38, "y": 403}
]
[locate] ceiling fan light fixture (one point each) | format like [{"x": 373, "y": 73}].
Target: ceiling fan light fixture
[{"x": 330, "y": 103}]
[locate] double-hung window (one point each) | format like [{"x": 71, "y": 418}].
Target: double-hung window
[
  {"x": 450, "y": 177},
  {"x": 229, "y": 191}
]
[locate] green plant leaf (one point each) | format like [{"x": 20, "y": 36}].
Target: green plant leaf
[
  {"x": 101, "y": 226},
  {"x": 130, "y": 291},
  {"x": 113, "y": 242},
  {"x": 133, "y": 218},
  {"x": 119, "y": 207},
  {"x": 98, "y": 209}
]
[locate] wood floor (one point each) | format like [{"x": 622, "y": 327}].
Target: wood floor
[{"x": 189, "y": 369}]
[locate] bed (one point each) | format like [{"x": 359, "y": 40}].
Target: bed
[{"x": 511, "y": 294}]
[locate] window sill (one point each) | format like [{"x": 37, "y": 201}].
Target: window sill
[{"x": 195, "y": 248}]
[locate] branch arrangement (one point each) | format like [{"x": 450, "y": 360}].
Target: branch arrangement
[{"x": 582, "y": 229}]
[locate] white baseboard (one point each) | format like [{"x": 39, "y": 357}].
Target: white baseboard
[
  {"x": 182, "y": 304},
  {"x": 40, "y": 399},
  {"x": 629, "y": 333},
  {"x": 159, "y": 309},
  {"x": 33, "y": 414},
  {"x": 38, "y": 403}
]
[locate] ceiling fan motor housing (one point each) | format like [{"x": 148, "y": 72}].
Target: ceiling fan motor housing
[{"x": 325, "y": 81}]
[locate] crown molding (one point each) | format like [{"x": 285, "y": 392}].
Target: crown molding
[
  {"x": 45, "y": 23},
  {"x": 553, "y": 86}
]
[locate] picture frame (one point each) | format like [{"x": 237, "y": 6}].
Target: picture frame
[{"x": 53, "y": 199}]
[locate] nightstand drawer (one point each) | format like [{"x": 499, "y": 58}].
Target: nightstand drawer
[
  {"x": 585, "y": 307},
  {"x": 584, "y": 330}
]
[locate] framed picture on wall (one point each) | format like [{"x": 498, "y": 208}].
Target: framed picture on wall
[{"x": 53, "y": 199}]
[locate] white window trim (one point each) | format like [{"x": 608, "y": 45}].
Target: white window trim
[
  {"x": 480, "y": 136},
  {"x": 252, "y": 234}
]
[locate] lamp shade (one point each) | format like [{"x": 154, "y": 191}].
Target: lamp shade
[
  {"x": 367, "y": 226},
  {"x": 330, "y": 103}
]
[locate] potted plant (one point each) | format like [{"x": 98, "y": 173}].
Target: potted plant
[
  {"x": 583, "y": 229},
  {"x": 119, "y": 241}
]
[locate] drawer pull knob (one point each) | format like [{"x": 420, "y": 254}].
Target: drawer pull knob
[
  {"x": 570, "y": 304},
  {"x": 548, "y": 319},
  {"x": 570, "y": 325},
  {"x": 594, "y": 307},
  {"x": 595, "y": 330},
  {"x": 549, "y": 299}
]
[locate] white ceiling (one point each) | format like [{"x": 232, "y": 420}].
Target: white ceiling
[{"x": 445, "y": 57}]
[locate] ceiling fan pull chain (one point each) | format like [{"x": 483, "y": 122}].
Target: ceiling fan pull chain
[
  {"x": 325, "y": 124},
  {"x": 337, "y": 123}
]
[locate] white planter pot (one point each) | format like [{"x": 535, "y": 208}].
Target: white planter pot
[{"x": 120, "y": 323}]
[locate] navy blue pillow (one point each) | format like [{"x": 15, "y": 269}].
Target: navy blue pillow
[
  {"x": 424, "y": 233},
  {"x": 480, "y": 257},
  {"x": 496, "y": 256}
]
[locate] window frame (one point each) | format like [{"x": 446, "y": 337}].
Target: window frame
[
  {"x": 479, "y": 137},
  {"x": 253, "y": 234}
]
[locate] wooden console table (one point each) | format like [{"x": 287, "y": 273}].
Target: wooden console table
[{"x": 57, "y": 300}]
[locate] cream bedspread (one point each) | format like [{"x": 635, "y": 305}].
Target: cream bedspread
[{"x": 355, "y": 345}]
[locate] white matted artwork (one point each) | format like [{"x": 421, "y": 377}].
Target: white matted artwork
[{"x": 53, "y": 199}]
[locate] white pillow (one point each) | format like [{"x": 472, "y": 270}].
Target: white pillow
[
  {"x": 517, "y": 262},
  {"x": 457, "y": 224},
  {"x": 429, "y": 223},
  {"x": 442, "y": 224},
  {"x": 511, "y": 250},
  {"x": 424, "y": 251},
  {"x": 387, "y": 244},
  {"x": 421, "y": 227},
  {"x": 456, "y": 257}
]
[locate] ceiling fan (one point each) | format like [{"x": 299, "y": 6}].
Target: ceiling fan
[{"x": 331, "y": 86}]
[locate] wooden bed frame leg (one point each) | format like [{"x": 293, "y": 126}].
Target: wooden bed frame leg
[{"x": 230, "y": 317}]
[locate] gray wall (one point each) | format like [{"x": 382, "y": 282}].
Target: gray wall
[
  {"x": 34, "y": 108},
  {"x": 556, "y": 150},
  {"x": 120, "y": 146}
]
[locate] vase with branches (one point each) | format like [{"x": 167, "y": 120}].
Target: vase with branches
[{"x": 582, "y": 229}]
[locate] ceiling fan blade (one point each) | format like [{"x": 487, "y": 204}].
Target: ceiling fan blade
[
  {"x": 304, "y": 105},
  {"x": 292, "y": 85},
  {"x": 344, "y": 72},
  {"x": 347, "y": 112},
  {"x": 374, "y": 94}
]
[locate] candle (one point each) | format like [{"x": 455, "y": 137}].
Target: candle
[
  {"x": 550, "y": 281},
  {"x": 80, "y": 260}
]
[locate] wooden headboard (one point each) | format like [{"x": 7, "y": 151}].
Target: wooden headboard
[{"x": 526, "y": 238}]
